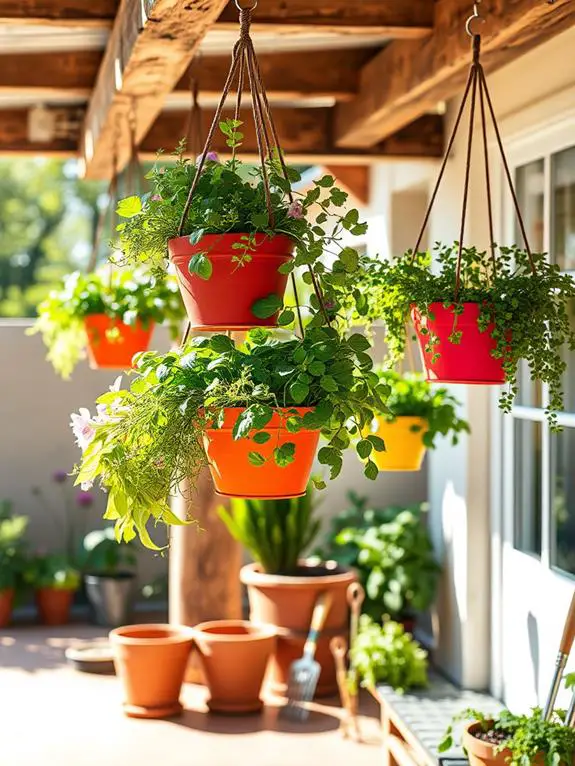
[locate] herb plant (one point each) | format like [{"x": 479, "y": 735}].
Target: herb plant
[
  {"x": 274, "y": 532},
  {"x": 524, "y": 736},
  {"x": 146, "y": 439},
  {"x": 125, "y": 295},
  {"x": 386, "y": 654},
  {"x": 391, "y": 550},
  {"x": 52, "y": 570},
  {"x": 101, "y": 555},
  {"x": 529, "y": 312},
  {"x": 12, "y": 547}
]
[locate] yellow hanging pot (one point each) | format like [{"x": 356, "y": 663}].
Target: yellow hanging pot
[{"x": 404, "y": 447}]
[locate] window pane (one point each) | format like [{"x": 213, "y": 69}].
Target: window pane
[
  {"x": 530, "y": 184},
  {"x": 527, "y": 451},
  {"x": 563, "y": 211},
  {"x": 563, "y": 500},
  {"x": 530, "y": 391}
]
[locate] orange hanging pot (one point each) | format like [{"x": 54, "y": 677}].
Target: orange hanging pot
[
  {"x": 235, "y": 476},
  {"x": 404, "y": 447},
  {"x": 225, "y": 300},
  {"x": 470, "y": 361},
  {"x": 112, "y": 344}
]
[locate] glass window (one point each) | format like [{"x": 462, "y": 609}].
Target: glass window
[
  {"x": 563, "y": 500},
  {"x": 527, "y": 485},
  {"x": 563, "y": 201},
  {"x": 530, "y": 185}
]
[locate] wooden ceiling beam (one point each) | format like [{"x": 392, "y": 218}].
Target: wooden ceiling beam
[
  {"x": 84, "y": 13},
  {"x": 50, "y": 74},
  {"x": 15, "y": 140},
  {"x": 144, "y": 59},
  {"x": 409, "y": 78}
]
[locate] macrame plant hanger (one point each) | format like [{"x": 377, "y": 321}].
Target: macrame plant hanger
[
  {"x": 244, "y": 62},
  {"x": 476, "y": 86}
]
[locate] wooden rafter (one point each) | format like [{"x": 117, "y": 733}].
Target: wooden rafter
[
  {"x": 98, "y": 13},
  {"x": 409, "y": 78}
]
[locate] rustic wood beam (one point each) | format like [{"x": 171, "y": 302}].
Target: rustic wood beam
[
  {"x": 50, "y": 74},
  {"x": 14, "y": 138},
  {"x": 85, "y": 13},
  {"x": 409, "y": 78},
  {"x": 147, "y": 54}
]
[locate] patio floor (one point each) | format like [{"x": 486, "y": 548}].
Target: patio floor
[{"x": 52, "y": 715}]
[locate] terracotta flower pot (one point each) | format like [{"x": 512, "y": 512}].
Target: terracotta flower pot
[
  {"x": 287, "y": 603},
  {"x": 234, "y": 656},
  {"x": 6, "y": 602},
  {"x": 54, "y": 605},
  {"x": 112, "y": 344},
  {"x": 404, "y": 447},
  {"x": 235, "y": 476},
  {"x": 469, "y": 361},
  {"x": 225, "y": 300},
  {"x": 481, "y": 753},
  {"x": 151, "y": 660}
]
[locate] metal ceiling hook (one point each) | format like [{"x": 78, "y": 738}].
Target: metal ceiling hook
[
  {"x": 244, "y": 5},
  {"x": 476, "y": 17}
]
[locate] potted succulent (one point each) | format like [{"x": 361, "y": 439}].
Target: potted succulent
[
  {"x": 386, "y": 654},
  {"x": 109, "y": 576},
  {"x": 282, "y": 586},
  {"x": 234, "y": 655},
  {"x": 109, "y": 315},
  {"x": 54, "y": 581},
  {"x": 515, "y": 740},
  {"x": 151, "y": 661},
  {"x": 391, "y": 550},
  {"x": 254, "y": 413},
  {"x": 233, "y": 247},
  {"x": 477, "y": 317},
  {"x": 12, "y": 559},
  {"x": 418, "y": 414}
]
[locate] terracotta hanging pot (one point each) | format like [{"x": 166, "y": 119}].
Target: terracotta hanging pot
[
  {"x": 54, "y": 605},
  {"x": 469, "y": 361},
  {"x": 404, "y": 447},
  {"x": 6, "y": 602},
  {"x": 225, "y": 300},
  {"x": 112, "y": 344},
  {"x": 235, "y": 476},
  {"x": 234, "y": 656},
  {"x": 287, "y": 602},
  {"x": 151, "y": 661},
  {"x": 479, "y": 752}
]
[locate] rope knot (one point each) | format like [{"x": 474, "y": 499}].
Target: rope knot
[{"x": 245, "y": 22}]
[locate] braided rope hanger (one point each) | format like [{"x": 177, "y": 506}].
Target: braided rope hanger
[{"x": 476, "y": 84}]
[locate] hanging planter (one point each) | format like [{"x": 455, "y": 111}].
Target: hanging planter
[
  {"x": 112, "y": 344},
  {"x": 404, "y": 447},
  {"x": 232, "y": 297}
]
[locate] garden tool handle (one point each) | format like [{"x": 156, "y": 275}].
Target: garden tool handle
[
  {"x": 569, "y": 630},
  {"x": 318, "y": 618},
  {"x": 565, "y": 646},
  {"x": 355, "y": 598},
  {"x": 338, "y": 646}
]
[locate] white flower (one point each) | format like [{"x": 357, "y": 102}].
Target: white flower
[
  {"x": 86, "y": 486},
  {"x": 116, "y": 385},
  {"x": 83, "y": 428}
]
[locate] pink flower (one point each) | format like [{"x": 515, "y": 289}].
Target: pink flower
[
  {"x": 83, "y": 428},
  {"x": 84, "y": 499},
  {"x": 212, "y": 157},
  {"x": 156, "y": 197},
  {"x": 295, "y": 210}
]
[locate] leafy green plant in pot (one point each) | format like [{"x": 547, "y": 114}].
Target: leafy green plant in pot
[
  {"x": 12, "y": 558},
  {"x": 109, "y": 576},
  {"x": 110, "y": 316},
  {"x": 283, "y": 586},
  {"x": 418, "y": 414},
  {"x": 391, "y": 550},
  {"x": 54, "y": 581}
]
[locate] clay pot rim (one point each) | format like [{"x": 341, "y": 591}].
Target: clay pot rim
[
  {"x": 251, "y": 574},
  {"x": 175, "y": 634},
  {"x": 482, "y": 749},
  {"x": 231, "y": 414},
  {"x": 415, "y": 419},
  {"x": 260, "y": 238},
  {"x": 116, "y": 320},
  {"x": 257, "y": 632}
]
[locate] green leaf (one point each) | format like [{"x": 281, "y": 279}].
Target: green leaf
[
  {"x": 319, "y": 484},
  {"x": 261, "y": 437},
  {"x": 359, "y": 342},
  {"x": 328, "y": 384},
  {"x": 221, "y": 344},
  {"x": 196, "y": 236},
  {"x": 298, "y": 391},
  {"x": 256, "y": 458},
  {"x": 364, "y": 448},
  {"x": 253, "y": 418},
  {"x": 260, "y": 220},
  {"x": 287, "y": 267},
  {"x": 129, "y": 207},
  {"x": 267, "y": 307},
  {"x": 201, "y": 266},
  {"x": 325, "y": 182},
  {"x": 316, "y": 368},
  {"x": 377, "y": 442},
  {"x": 286, "y": 317},
  {"x": 349, "y": 258},
  {"x": 285, "y": 454},
  {"x": 371, "y": 471}
]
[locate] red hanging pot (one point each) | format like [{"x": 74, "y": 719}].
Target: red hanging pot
[
  {"x": 469, "y": 361},
  {"x": 112, "y": 344},
  {"x": 235, "y": 476},
  {"x": 225, "y": 300}
]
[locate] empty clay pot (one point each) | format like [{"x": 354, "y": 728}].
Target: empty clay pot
[
  {"x": 54, "y": 605},
  {"x": 151, "y": 660},
  {"x": 234, "y": 656}
]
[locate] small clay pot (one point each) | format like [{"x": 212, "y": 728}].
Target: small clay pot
[
  {"x": 6, "y": 602},
  {"x": 234, "y": 656},
  {"x": 151, "y": 661},
  {"x": 54, "y": 605},
  {"x": 482, "y": 753}
]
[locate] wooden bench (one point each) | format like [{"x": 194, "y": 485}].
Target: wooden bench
[{"x": 413, "y": 724}]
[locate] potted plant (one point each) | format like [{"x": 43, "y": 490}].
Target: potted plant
[
  {"x": 386, "y": 654},
  {"x": 418, "y": 414},
  {"x": 476, "y": 328},
  {"x": 392, "y": 552},
  {"x": 516, "y": 740},
  {"x": 234, "y": 655},
  {"x": 12, "y": 558},
  {"x": 111, "y": 315},
  {"x": 151, "y": 661},
  {"x": 254, "y": 413},
  {"x": 54, "y": 581},
  {"x": 108, "y": 576},
  {"x": 233, "y": 247},
  {"x": 282, "y": 586}
]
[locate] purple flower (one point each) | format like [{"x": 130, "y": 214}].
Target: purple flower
[
  {"x": 212, "y": 157},
  {"x": 295, "y": 210},
  {"x": 84, "y": 499},
  {"x": 59, "y": 477}
]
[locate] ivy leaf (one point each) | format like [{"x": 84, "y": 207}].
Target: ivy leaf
[
  {"x": 316, "y": 368},
  {"x": 201, "y": 266},
  {"x": 364, "y": 448},
  {"x": 256, "y": 458},
  {"x": 196, "y": 236},
  {"x": 267, "y": 307},
  {"x": 253, "y": 418},
  {"x": 221, "y": 344},
  {"x": 262, "y": 437},
  {"x": 325, "y": 182},
  {"x": 285, "y": 454},
  {"x": 371, "y": 471},
  {"x": 286, "y": 317},
  {"x": 298, "y": 391},
  {"x": 260, "y": 220},
  {"x": 359, "y": 342},
  {"x": 129, "y": 207},
  {"x": 328, "y": 384}
]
